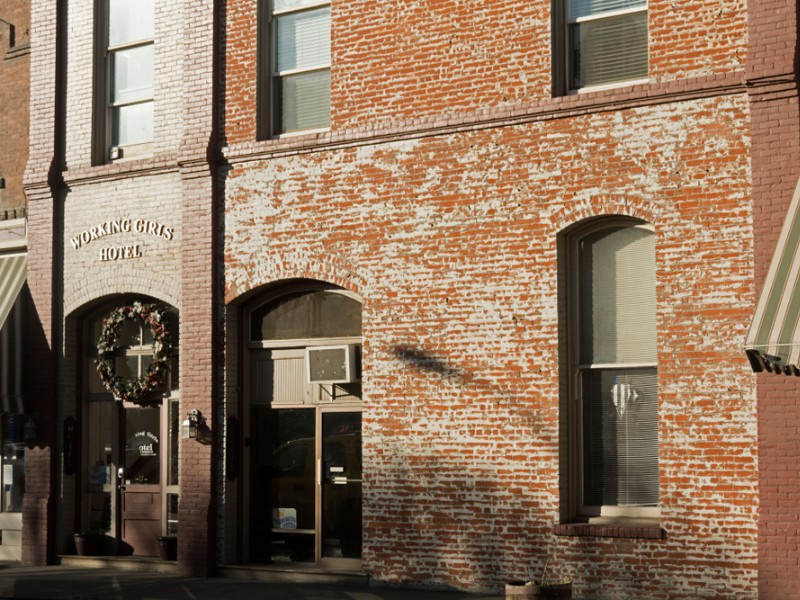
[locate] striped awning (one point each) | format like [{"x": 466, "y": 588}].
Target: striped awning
[
  {"x": 773, "y": 342},
  {"x": 12, "y": 323},
  {"x": 12, "y": 277}
]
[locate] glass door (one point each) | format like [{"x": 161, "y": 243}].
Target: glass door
[
  {"x": 306, "y": 486},
  {"x": 139, "y": 481},
  {"x": 341, "y": 487},
  {"x": 284, "y": 499}
]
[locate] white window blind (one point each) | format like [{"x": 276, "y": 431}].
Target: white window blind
[
  {"x": 607, "y": 42},
  {"x": 301, "y": 66},
  {"x": 617, "y": 296},
  {"x": 620, "y": 440},
  {"x": 304, "y": 40},
  {"x": 618, "y": 376}
]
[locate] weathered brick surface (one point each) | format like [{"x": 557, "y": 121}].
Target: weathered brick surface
[
  {"x": 15, "y": 20},
  {"x": 426, "y": 59},
  {"x": 451, "y": 241}
]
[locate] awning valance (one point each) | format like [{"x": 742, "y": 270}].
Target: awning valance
[
  {"x": 773, "y": 342},
  {"x": 12, "y": 278}
]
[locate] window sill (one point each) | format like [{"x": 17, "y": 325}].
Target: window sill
[
  {"x": 613, "y": 528},
  {"x": 605, "y": 87}
]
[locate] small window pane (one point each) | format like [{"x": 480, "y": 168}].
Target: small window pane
[
  {"x": 132, "y": 124},
  {"x": 585, "y": 8},
  {"x": 620, "y": 440},
  {"x": 99, "y": 453},
  {"x": 307, "y": 315},
  {"x": 127, "y": 366},
  {"x": 12, "y": 462},
  {"x": 172, "y": 514},
  {"x": 130, "y": 21},
  {"x": 608, "y": 50},
  {"x": 173, "y": 463},
  {"x": 132, "y": 74},
  {"x": 129, "y": 334},
  {"x": 304, "y": 40},
  {"x": 305, "y": 101}
]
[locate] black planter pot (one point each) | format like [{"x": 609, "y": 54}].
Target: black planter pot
[
  {"x": 168, "y": 547},
  {"x": 90, "y": 544}
]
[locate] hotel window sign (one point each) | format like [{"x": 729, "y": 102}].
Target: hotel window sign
[{"x": 97, "y": 235}]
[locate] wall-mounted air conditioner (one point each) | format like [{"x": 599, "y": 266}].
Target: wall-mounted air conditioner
[{"x": 333, "y": 364}]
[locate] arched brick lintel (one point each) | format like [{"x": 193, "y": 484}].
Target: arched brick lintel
[
  {"x": 346, "y": 277},
  {"x": 162, "y": 286},
  {"x": 603, "y": 206}
]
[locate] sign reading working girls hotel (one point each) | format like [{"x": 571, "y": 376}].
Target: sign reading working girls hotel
[{"x": 117, "y": 226}]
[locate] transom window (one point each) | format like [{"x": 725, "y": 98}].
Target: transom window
[
  {"x": 606, "y": 42},
  {"x": 300, "y": 60},
  {"x": 614, "y": 361}
]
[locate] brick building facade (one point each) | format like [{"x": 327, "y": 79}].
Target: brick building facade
[
  {"x": 14, "y": 101},
  {"x": 432, "y": 195}
]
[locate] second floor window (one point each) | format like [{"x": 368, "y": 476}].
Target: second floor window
[
  {"x": 607, "y": 42},
  {"x": 129, "y": 76},
  {"x": 300, "y": 60}
]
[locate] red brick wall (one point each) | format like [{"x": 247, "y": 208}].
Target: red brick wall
[
  {"x": 451, "y": 240},
  {"x": 392, "y": 65},
  {"x": 772, "y": 56},
  {"x": 14, "y": 73},
  {"x": 438, "y": 196}
]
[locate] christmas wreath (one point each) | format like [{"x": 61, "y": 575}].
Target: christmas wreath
[{"x": 133, "y": 389}]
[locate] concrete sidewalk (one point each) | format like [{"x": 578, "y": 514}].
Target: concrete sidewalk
[{"x": 82, "y": 583}]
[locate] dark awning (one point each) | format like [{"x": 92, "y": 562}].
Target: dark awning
[
  {"x": 12, "y": 278},
  {"x": 773, "y": 342}
]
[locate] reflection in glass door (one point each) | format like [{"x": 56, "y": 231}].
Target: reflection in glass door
[
  {"x": 341, "y": 485},
  {"x": 306, "y": 490},
  {"x": 283, "y": 489}
]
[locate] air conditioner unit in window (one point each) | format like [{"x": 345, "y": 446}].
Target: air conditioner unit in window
[{"x": 333, "y": 364}]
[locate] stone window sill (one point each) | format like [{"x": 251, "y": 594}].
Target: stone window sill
[{"x": 613, "y": 528}]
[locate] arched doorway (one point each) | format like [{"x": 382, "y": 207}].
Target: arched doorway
[
  {"x": 128, "y": 481},
  {"x": 304, "y": 412}
]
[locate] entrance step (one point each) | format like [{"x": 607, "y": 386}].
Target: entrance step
[
  {"x": 133, "y": 563},
  {"x": 294, "y": 574}
]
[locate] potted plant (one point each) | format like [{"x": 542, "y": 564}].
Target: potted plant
[
  {"x": 93, "y": 542},
  {"x": 168, "y": 547},
  {"x": 542, "y": 588},
  {"x": 89, "y": 543},
  {"x": 551, "y": 588}
]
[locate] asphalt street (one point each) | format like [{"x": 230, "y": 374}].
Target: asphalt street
[{"x": 82, "y": 583}]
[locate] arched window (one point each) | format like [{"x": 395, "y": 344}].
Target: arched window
[{"x": 613, "y": 360}]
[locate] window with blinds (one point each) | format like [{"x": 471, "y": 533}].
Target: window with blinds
[
  {"x": 300, "y": 65},
  {"x": 617, "y": 359},
  {"x": 607, "y": 42},
  {"x": 130, "y": 65}
]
